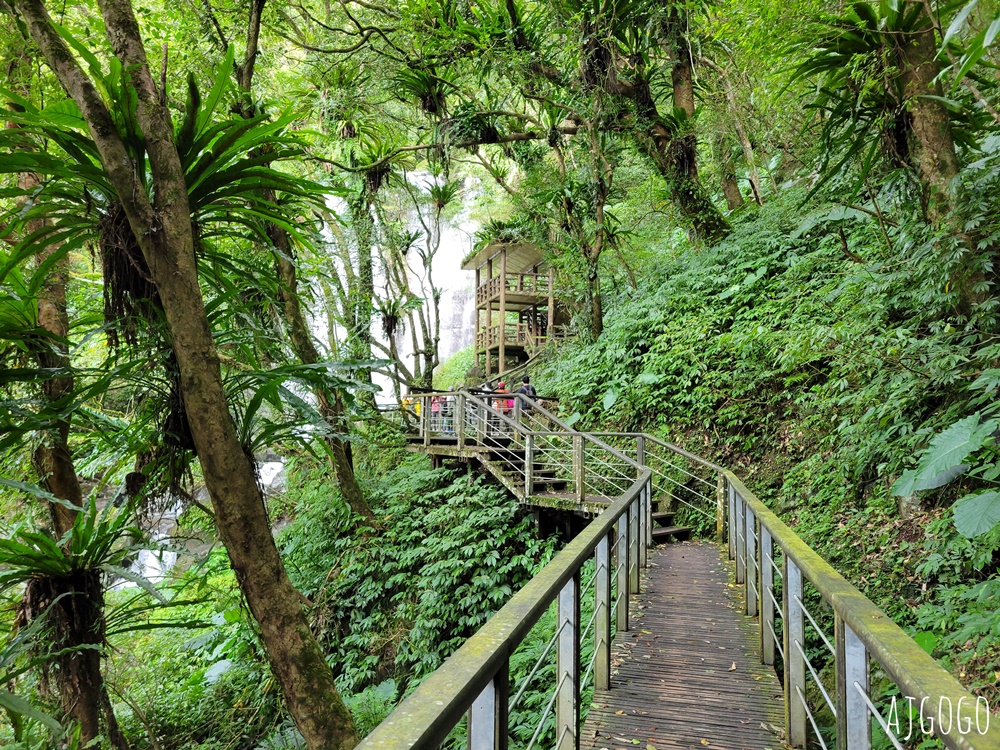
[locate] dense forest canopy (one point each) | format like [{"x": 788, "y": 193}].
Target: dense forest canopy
[{"x": 221, "y": 232}]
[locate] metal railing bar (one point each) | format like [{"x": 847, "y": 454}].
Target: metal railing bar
[
  {"x": 774, "y": 567},
  {"x": 816, "y": 627},
  {"x": 548, "y": 710},
  {"x": 586, "y": 676},
  {"x": 527, "y": 680},
  {"x": 777, "y": 641},
  {"x": 878, "y": 717},
  {"x": 693, "y": 492},
  {"x": 777, "y": 607},
  {"x": 586, "y": 630},
  {"x": 812, "y": 720},
  {"x": 685, "y": 502},
  {"x": 819, "y": 684},
  {"x": 681, "y": 469},
  {"x": 676, "y": 449}
]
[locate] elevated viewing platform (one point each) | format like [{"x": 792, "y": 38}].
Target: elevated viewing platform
[{"x": 517, "y": 312}]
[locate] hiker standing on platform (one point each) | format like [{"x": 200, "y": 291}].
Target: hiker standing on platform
[{"x": 528, "y": 390}]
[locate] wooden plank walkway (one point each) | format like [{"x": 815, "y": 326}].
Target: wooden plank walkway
[{"x": 673, "y": 682}]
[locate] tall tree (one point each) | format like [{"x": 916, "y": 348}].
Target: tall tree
[{"x": 162, "y": 226}]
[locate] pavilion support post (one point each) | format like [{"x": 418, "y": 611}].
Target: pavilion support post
[
  {"x": 502, "y": 364},
  {"x": 489, "y": 322},
  {"x": 458, "y": 417},
  {"x": 551, "y": 304}
]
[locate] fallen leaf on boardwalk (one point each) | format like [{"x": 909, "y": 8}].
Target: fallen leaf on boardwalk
[
  {"x": 733, "y": 668},
  {"x": 650, "y": 747},
  {"x": 704, "y": 742},
  {"x": 620, "y": 713}
]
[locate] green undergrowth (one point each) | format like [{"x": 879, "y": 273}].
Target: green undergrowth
[
  {"x": 815, "y": 352},
  {"x": 389, "y": 602}
]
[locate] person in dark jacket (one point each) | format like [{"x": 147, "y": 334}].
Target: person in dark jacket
[{"x": 527, "y": 389}]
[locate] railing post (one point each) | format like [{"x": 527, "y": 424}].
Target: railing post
[
  {"x": 459, "y": 417},
  {"x": 640, "y": 450},
  {"x": 621, "y": 604},
  {"x": 732, "y": 522},
  {"x": 854, "y": 727},
  {"x": 579, "y": 471},
  {"x": 752, "y": 566},
  {"x": 720, "y": 508},
  {"x": 425, "y": 419},
  {"x": 766, "y": 597},
  {"x": 643, "y": 525},
  {"x": 516, "y": 414},
  {"x": 739, "y": 521},
  {"x": 529, "y": 464},
  {"x": 633, "y": 546},
  {"x": 795, "y": 664},
  {"x": 488, "y": 715},
  {"x": 568, "y": 667},
  {"x": 602, "y": 613}
]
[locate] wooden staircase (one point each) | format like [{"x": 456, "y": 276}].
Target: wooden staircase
[{"x": 569, "y": 470}]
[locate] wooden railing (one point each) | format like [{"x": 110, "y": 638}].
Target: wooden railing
[
  {"x": 530, "y": 284},
  {"x": 778, "y": 573},
  {"x": 515, "y": 334}
]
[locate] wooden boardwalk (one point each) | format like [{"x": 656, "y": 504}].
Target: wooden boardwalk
[{"x": 688, "y": 673}]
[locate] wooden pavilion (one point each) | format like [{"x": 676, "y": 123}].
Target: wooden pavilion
[{"x": 516, "y": 309}]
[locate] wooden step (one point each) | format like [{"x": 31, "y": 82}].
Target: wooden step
[
  {"x": 663, "y": 518},
  {"x": 550, "y": 483},
  {"x": 670, "y": 533}
]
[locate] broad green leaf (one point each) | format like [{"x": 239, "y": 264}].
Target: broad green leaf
[
  {"x": 977, "y": 514},
  {"x": 959, "y": 21},
  {"x": 609, "y": 399},
  {"x": 926, "y": 640},
  {"x": 137, "y": 579},
  {"x": 36, "y": 491},
  {"x": 943, "y": 460},
  {"x": 18, "y": 705}
]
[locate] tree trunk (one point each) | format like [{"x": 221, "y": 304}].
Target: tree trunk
[
  {"x": 674, "y": 154},
  {"x": 731, "y": 189},
  {"x": 595, "y": 300},
  {"x": 932, "y": 149},
  {"x": 288, "y": 289},
  {"x": 305, "y": 349},
  {"x": 165, "y": 234},
  {"x": 77, "y": 619}
]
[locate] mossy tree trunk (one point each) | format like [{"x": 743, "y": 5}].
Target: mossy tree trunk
[
  {"x": 164, "y": 231},
  {"x": 932, "y": 146}
]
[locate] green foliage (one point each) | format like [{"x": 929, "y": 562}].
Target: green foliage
[
  {"x": 822, "y": 373},
  {"x": 452, "y": 372},
  {"x": 450, "y": 554}
]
